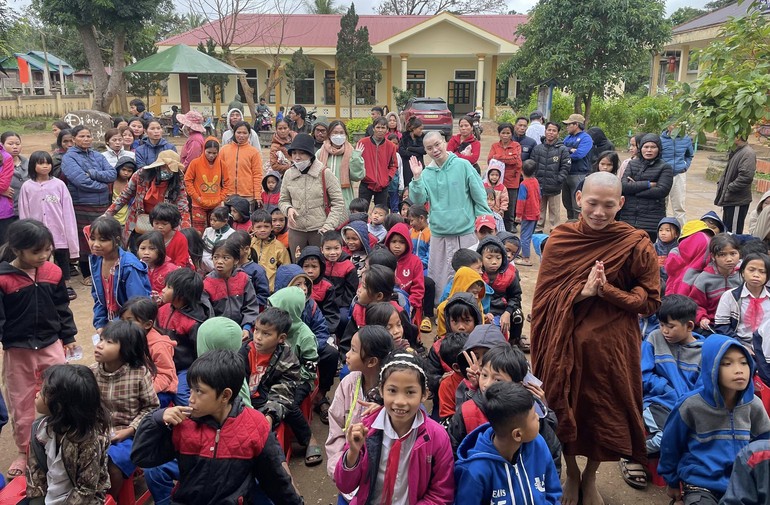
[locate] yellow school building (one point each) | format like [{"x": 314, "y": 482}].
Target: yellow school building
[{"x": 448, "y": 56}]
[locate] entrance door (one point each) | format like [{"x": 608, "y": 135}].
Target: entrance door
[{"x": 462, "y": 96}]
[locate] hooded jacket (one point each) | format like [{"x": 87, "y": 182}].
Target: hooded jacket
[
  {"x": 162, "y": 353},
  {"x": 300, "y": 338},
  {"x": 669, "y": 371},
  {"x": 359, "y": 257},
  {"x": 323, "y": 290},
  {"x": 343, "y": 275},
  {"x": 258, "y": 276},
  {"x": 219, "y": 462},
  {"x": 88, "y": 175},
  {"x": 130, "y": 280},
  {"x": 457, "y": 145},
  {"x": 409, "y": 274},
  {"x": 734, "y": 186},
  {"x": 181, "y": 326},
  {"x": 271, "y": 254},
  {"x": 456, "y": 196},
  {"x": 312, "y": 316},
  {"x": 482, "y": 472},
  {"x": 6, "y": 176},
  {"x": 464, "y": 278},
  {"x": 279, "y": 145},
  {"x": 664, "y": 248},
  {"x": 511, "y": 155},
  {"x": 421, "y": 246},
  {"x": 35, "y": 313},
  {"x": 601, "y": 143},
  {"x": 243, "y": 164},
  {"x": 229, "y": 137},
  {"x": 677, "y": 151},
  {"x": 501, "y": 193},
  {"x": 553, "y": 166},
  {"x": 750, "y": 478},
  {"x": 270, "y": 198},
  {"x": 702, "y": 437},
  {"x": 304, "y": 192},
  {"x": 50, "y": 203},
  {"x": 147, "y": 152},
  {"x": 754, "y": 214},
  {"x": 232, "y": 297},
  {"x": 207, "y": 184},
  {"x": 271, "y": 389},
  {"x": 193, "y": 148},
  {"x": 645, "y": 204},
  {"x": 507, "y": 295},
  {"x": 222, "y": 333},
  {"x": 685, "y": 262},
  {"x": 714, "y": 217}
]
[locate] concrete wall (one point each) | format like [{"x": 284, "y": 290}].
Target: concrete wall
[{"x": 49, "y": 106}]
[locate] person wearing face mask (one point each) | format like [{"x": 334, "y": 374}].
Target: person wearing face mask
[
  {"x": 346, "y": 163},
  {"x": 160, "y": 181},
  {"x": 306, "y": 184}
]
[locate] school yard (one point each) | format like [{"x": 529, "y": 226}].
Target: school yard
[{"x": 316, "y": 487}]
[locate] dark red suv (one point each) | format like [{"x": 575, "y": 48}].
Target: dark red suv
[{"x": 433, "y": 112}]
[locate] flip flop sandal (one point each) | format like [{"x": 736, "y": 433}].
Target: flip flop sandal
[
  {"x": 322, "y": 409},
  {"x": 425, "y": 325},
  {"x": 87, "y": 281},
  {"x": 71, "y": 294},
  {"x": 17, "y": 468},
  {"x": 313, "y": 456},
  {"x": 634, "y": 474},
  {"x": 524, "y": 345}
]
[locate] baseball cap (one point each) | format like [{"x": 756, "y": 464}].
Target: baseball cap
[
  {"x": 575, "y": 118},
  {"x": 485, "y": 220}
]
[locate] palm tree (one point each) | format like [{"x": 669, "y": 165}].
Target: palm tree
[{"x": 322, "y": 7}]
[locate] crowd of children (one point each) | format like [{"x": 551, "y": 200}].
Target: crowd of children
[{"x": 211, "y": 341}]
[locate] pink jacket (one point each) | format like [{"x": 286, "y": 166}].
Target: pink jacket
[
  {"x": 6, "y": 174},
  {"x": 431, "y": 466},
  {"x": 691, "y": 256},
  {"x": 192, "y": 149},
  {"x": 338, "y": 414},
  {"x": 51, "y": 204}
]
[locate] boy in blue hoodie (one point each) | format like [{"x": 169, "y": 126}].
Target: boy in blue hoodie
[
  {"x": 709, "y": 426},
  {"x": 506, "y": 461}
]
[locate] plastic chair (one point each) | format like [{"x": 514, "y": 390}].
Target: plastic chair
[
  {"x": 127, "y": 494},
  {"x": 14, "y": 491}
]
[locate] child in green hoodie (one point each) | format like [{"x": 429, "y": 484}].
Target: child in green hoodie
[{"x": 303, "y": 342}]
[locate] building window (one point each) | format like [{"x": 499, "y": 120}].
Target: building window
[
  {"x": 304, "y": 90},
  {"x": 194, "y": 88},
  {"x": 501, "y": 92},
  {"x": 521, "y": 91},
  {"x": 465, "y": 75},
  {"x": 330, "y": 88},
  {"x": 251, "y": 78},
  {"x": 692, "y": 61},
  {"x": 366, "y": 89},
  {"x": 415, "y": 82}
]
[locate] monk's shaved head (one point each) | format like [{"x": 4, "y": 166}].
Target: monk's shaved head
[
  {"x": 603, "y": 180},
  {"x": 600, "y": 200}
]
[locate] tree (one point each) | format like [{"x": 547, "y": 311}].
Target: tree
[
  {"x": 6, "y": 23},
  {"x": 298, "y": 68},
  {"x": 718, "y": 4},
  {"x": 432, "y": 7},
  {"x": 322, "y": 7},
  {"x": 684, "y": 14},
  {"x": 112, "y": 18},
  {"x": 213, "y": 83},
  {"x": 588, "y": 47},
  {"x": 354, "y": 56},
  {"x": 730, "y": 94}
]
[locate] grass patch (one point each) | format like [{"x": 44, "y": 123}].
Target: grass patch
[{"x": 17, "y": 124}]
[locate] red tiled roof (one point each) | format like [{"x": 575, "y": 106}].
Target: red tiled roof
[{"x": 321, "y": 30}]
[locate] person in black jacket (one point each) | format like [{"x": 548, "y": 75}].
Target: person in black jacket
[
  {"x": 553, "y": 164},
  {"x": 520, "y": 136},
  {"x": 646, "y": 184},
  {"x": 237, "y": 441},
  {"x": 601, "y": 144},
  {"x": 411, "y": 145}
]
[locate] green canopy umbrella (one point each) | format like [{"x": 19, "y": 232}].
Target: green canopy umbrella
[{"x": 182, "y": 60}]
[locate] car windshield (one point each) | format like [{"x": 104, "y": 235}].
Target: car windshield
[{"x": 429, "y": 105}]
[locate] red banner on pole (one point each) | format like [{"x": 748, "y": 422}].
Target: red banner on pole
[{"x": 23, "y": 70}]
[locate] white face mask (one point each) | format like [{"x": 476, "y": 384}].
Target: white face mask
[
  {"x": 338, "y": 140},
  {"x": 302, "y": 165}
]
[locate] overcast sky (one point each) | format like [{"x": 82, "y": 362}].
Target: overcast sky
[{"x": 368, "y": 6}]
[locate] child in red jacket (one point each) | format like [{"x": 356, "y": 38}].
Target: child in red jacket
[
  {"x": 271, "y": 190},
  {"x": 409, "y": 274},
  {"x": 528, "y": 208}
]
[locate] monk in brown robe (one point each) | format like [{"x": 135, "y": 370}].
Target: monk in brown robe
[{"x": 596, "y": 276}]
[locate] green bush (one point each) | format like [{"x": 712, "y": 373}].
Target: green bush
[
  {"x": 652, "y": 112},
  {"x": 358, "y": 125},
  {"x": 615, "y": 118},
  {"x": 507, "y": 116}
]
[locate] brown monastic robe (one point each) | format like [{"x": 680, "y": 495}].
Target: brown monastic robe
[{"x": 588, "y": 353}]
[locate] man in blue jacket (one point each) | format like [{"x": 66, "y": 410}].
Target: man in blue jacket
[
  {"x": 579, "y": 144},
  {"x": 677, "y": 152}
]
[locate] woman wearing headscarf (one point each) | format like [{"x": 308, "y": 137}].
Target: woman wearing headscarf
[
  {"x": 235, "y": 116},
  {"x": 192, "y": 128},
  {"x": 601, "y": 143},
  {"x": 646, "y": 184},
  {"x": 279, "y": 156},
  {"x": 311, "y": 196},
  {"x": 346, "y": 163}
]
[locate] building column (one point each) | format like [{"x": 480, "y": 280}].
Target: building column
[
  {"x": 389, "y": 83},
  {"x": 492, "y": 92},
  {"x": 336, "y": 93},
  {"x": 684, "y": 62},
  {"x": 480, "y": 81},
  {"x": 404, "y": 67},
  {"x": 655, "y": 74}
]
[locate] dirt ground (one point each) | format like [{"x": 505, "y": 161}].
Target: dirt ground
[{"x": 313, "y": 483}]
